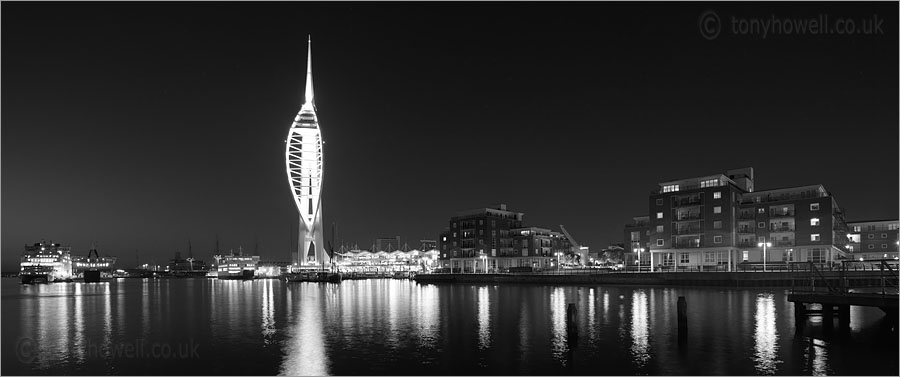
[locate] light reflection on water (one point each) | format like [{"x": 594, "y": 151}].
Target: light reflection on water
[
  {"x": 400, "y": 327},
  {"x": 484, "y": 318},
  {"x": 765, "y": 335},
  {"x": 639, "y": 328},
  {"x": 558, "y": 318}
]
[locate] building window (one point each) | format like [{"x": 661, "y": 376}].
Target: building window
[
  {"x": 761, "y": 225},
  {"x": 717, "y": 209},
  {"x": 670, "y": 188},
  {"x": 659, "y": 202},
  {"x": 884, "y": 246},
  {"x": 709, "y": 183},
  {"x": 717, "y": 225},
  {"x": 871, "y": 246},
  {"x": 745, "y": 256},
  {"x": 883, "y": 235},
  {"x": 815, "y": 255},
  {"x": 659, "y": 215},
  {"x": 892, "y": 226},
  {"x": 660, "y": 242},
  {"x": 709, "y": 257},
  {"x": 857, "y": 228},
  {"x": 717, "y": 195},
  {"x": 454, "y": 234},
  {"x": 814, "y": 206},
  {"x": 761, "y": 210},
  {"x": 814, "y": 237},
  {"x": 659, "y": 229},
  {"x": 814, "y": 221},
  {"x": 717, "y": 239},
  {"x": 685, "y": 258},
  {"x": 871, "y": 236},
  {"x": 760, "y": 239},
  {"x": 788, "y": 255}
]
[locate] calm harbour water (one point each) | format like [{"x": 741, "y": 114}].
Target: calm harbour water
[{"x": 399, "y": 327}]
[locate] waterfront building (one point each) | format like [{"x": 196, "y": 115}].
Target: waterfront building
[
  {"x": 427, "y": 244},
  {"x": 385, "y": 262},
  {"x": 718, "y": 222},
  {"x": 45, "y": 262},
  {"x": 496, "y": 239},
  {"x": 873, "y": 240},
  {"x": 637, "y": 241},
  {"x": 386, "y": 244},
  {"x": 305, "y": 171}
]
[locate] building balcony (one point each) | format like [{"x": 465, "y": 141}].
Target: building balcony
[
  {"x": 747, "y": 244},
  {"x": 781, "y": 229},
  {"x": 688, "y": 217},
  {"x": 781, "y": 213},
  {"x": 747, "y": 216},
  {"x": 783, "y": 243},
  {"x": 688, "y": 244},
  {"x": 687, "y": 230},
  {"x": 746, "y": 230},
  {"x": 687, "y": 202}
]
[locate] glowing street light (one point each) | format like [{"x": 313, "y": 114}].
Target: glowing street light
[
  {"x": 484, "y": 262},
  {"x": 558, "y": 254},
  {"x": 764, "y": 245}
]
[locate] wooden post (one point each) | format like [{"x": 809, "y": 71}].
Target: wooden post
[
  {"x": 844, "y": 316},
  {"x": 827, "y": 316},
  {"x": 682, "y": 320}
]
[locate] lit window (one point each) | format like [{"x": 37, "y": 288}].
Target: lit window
[
  {"x": 814, "y": 206},
  {"x": 814, "y": 221},
  {"x": 659, "y": 202},
  {"x": 746, "y": 255},
  {"x": 670, "y": 188},
  {"x": 761, "y": 210},
  {"x": 717, "y": 225},
  {"x": 659, "y": 215},
  {"x": 856, "y": 228},
  {"x": 659, "y": 229},
  {"x": 660, "y": 242},
  {"x": 709, "y": 183},
  {"x": 717, "y": 195},
  {"x": 717, "y": 239},
  {"x": 814, "y": 237},
  {"x": 717, "y": 209}
]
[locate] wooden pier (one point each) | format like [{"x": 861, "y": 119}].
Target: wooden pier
[{"x": 836, "y": 297}]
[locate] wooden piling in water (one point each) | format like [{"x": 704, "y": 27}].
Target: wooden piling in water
[{"x": 682, "y": 320}]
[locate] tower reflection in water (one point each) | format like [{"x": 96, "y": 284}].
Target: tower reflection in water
[{"x": 305, "y": 349}]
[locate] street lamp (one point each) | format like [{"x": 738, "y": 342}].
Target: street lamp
[
  {"x": 484, "y": 262},
  {"x": 557, "y": 259},
  {"x": 639, "y": 251},
  {"x": 764, "y": 245}
]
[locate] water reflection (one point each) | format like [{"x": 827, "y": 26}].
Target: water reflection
[
  {"x": 484, "y": 318},
  {"x": 765, "y": 335},
  {"x": 558, "y": 319},
  {"x": 428, "y": 312},
  {"x": 640, "y": 328},
  {"x": 817, "y": 357},
  {"x": 268, "y": 311},
  {"x": 305, "y": 349}
]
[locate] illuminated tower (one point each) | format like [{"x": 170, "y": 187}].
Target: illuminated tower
[{"x": 303, "y": 158}]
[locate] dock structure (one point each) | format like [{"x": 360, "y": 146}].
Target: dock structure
[{"x": 836, "y": 297}]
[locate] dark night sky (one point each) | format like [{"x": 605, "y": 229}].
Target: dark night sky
[{"x": 144, "y": 125}]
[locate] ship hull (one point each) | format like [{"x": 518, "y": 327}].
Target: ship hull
[{"x": 35, "y": 279}]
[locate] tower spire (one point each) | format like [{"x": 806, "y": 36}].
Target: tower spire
[{"x": 308, "y": 95}]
